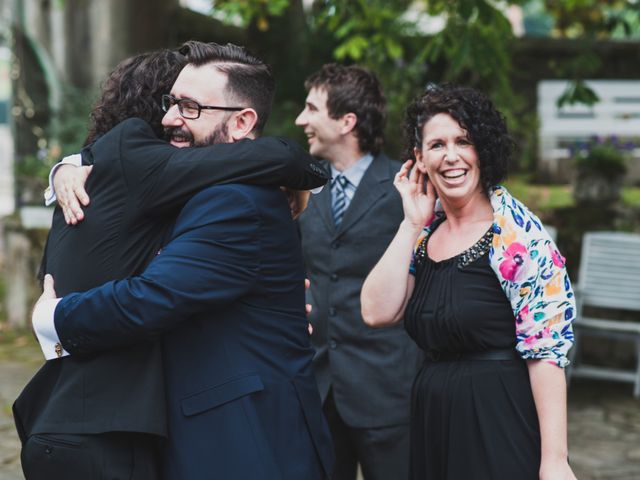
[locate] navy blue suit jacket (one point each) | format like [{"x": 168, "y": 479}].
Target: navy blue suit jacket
[
  {"x": 227, "y": 292},
  {"x": 138, "y": 186}
]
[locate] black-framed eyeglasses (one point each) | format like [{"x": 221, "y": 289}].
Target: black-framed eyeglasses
[{"x": 190, "y": 109}]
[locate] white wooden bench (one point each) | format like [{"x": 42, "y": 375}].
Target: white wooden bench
[
  {"x": 609, "y": 278},
  {"x": 617, "y": 113}
]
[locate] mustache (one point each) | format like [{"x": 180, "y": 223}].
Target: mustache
[{"x": 178, "y": 132}]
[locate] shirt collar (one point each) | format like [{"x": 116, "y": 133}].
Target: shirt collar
[{"x": 356, "y": 171}]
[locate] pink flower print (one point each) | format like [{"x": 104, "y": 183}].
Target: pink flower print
[
  {"x": 534, "y": 339},
  {"x": 514, "y": 258},
  {"x": 544, "y": 333},
  {"x": 524, "y": 318},
  {"x": 558, "y": 259}
]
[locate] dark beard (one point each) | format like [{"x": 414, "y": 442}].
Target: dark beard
[
  {"x": 170, "y": 132},
  {"x": 219, "y": 135}
]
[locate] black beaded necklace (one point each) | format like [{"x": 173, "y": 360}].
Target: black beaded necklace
[
  {"x": 470, "y": 255},
  {"x": 479, "y": 249}
]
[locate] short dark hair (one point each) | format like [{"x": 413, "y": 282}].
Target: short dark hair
[
  {"x": 353, "y": 89},
  {"x": 485, "y": 125},
  {"x": 249, "y": 79},
  {"x": 134, "y": 89}
]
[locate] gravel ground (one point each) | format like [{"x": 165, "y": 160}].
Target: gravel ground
[{"x": 604, "y": 419}]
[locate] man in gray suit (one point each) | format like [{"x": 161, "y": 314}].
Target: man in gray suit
[{"x": 364, "y": 374}]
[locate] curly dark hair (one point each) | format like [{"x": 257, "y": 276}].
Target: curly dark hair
[
  {"x": 250, "y": 80},
  {"x": 134, "y": 89},
  {"x": 485, "y": 125},
  {"x": 353, "y": 89}
]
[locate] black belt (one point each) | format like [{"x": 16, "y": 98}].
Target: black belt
[{"x": 502, "y": 354}]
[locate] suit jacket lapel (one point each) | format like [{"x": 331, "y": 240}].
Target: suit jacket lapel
[
  {"x": 367, "y": 193},
  {"x": 322, "y": 202}
]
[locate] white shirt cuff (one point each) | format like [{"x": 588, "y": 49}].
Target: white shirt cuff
[
  {"x": 49, "y": 193},
  {"x": 45, "y": 329},
  {"x": 317, "y": 190}
]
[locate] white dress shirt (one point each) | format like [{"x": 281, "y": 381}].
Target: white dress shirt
[
  {"x": 354, "y": 174},
  {"x": 42, "y": 320}
]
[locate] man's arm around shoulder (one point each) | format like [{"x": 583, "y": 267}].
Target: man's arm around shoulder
[{"x": 212, "y": 260}]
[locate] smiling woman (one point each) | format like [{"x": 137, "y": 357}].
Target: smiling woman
[
  {"x": 449, "y": 159},
  {"x": 484, "y": 292},
  {"x": 474, "y": 113}
]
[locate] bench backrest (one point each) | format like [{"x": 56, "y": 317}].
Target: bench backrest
[
  {"x": 561, "y": 129},
  {"x": 610, "y": 270},
  {"x": 617, "y": 112}
]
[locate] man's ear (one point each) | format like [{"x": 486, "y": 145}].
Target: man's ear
[
  {"x": 348, "y": 123},
  {"x": 242, "y": 123}
]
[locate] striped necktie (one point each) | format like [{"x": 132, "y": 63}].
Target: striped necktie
[{"x": 339, "y": 204}]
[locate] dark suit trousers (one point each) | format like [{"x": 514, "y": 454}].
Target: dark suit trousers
[
  {"x": 108, "y": 456},
  {"x": 383, "y": 453}
]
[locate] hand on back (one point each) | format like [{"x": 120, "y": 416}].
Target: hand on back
[
  {"x": 298, "y": 200},
  {"x": 68, "y": 183}
]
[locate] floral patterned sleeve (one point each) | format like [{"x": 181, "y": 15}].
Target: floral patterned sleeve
[{"x": 532, "y": 274}]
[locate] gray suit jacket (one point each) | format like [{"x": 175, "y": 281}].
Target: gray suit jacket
[{"x": 371, "y": 370}]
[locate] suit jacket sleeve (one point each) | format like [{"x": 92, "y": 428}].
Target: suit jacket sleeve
[
  {"x": 212, "y": 260},
  {"x": 169, "y": 176}
]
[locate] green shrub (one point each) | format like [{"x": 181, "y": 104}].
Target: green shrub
[{"x": 605, "y": 157}]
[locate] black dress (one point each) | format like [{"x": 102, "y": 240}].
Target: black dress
[{"x": 470, "y": 419}]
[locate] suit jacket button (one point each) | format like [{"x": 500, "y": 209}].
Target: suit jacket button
[
  {"x": 332, "y": 344},
  {"x": 334, "y": 277},
  {"x": 335, "y": 245},
  {"x": 332, "y": 312}
]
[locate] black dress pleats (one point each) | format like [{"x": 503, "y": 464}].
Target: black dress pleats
[{"x": 471, "y": 419}]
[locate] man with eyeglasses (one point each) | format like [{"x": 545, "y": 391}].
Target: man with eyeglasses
[{"x": 227, "y": 293}]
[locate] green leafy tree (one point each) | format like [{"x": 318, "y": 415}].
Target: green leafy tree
[
  {"x": 381, "y": 35},
  {"x": 589, "y": 21},
  {"x": 595, "y": 18},
  {"x": 472, "y": 47}
]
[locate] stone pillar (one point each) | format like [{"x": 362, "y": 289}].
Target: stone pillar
[
  {"x": 22, "y": 254},
  {"x": 18, "y": 277}
]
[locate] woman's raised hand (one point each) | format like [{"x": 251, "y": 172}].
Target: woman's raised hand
[{"x": 418, "y": 194}]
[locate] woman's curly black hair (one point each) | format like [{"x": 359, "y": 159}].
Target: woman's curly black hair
[
  {"x": 135, "y": 89},
  {"x": 486, "y": 127}
]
